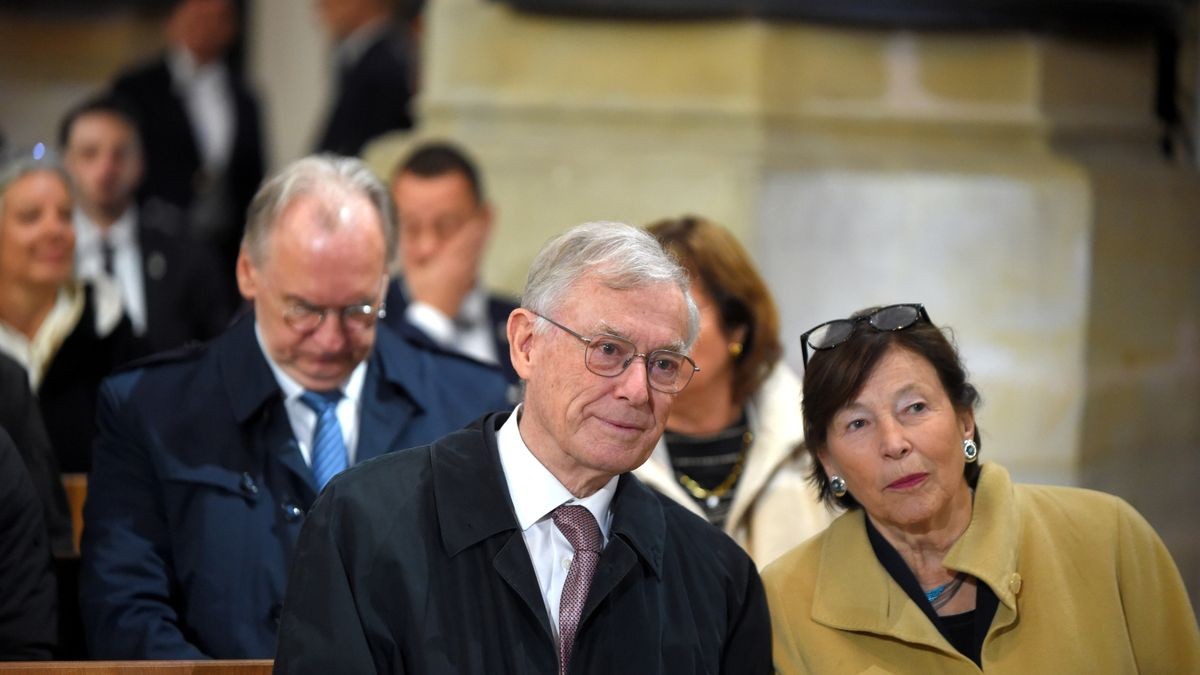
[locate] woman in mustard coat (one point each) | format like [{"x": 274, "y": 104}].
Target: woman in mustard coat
[{"x": 941, "y": 564}]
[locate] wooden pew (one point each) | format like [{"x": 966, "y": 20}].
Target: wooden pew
[
  {"x": 248, "y": 667},
  {"x": 75, "y": 485}
]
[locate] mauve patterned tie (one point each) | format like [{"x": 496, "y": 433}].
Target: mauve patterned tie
[{"x": 579, "y": 527}]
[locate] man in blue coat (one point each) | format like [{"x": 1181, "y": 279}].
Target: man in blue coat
[{"x": 209, "y": 459}]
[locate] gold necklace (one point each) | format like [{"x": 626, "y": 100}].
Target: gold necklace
[{"x": 712, "y": 496}]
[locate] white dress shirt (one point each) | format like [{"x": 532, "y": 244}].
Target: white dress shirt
[
  {"x": 127, "y": 260},
  {"x": 304, "y": 419},
  {"x": 535, "y": 493},
  {"x": 469, "y": 333},
  {"x": 208, "y": 99}
]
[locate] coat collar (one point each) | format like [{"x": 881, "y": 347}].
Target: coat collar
[
  {"x": 247, "y": 378},
  {"x": 469, "y": 481},
  {"x": 854, "y": 592},
  {"x": 250, "y": 384}
]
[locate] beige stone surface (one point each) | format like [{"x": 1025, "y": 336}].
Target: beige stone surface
[{"x": 870, "y": 166}]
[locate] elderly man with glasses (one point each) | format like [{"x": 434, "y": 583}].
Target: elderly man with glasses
[
  {"x": 208, "y": 460},
  {"x": 523, "y": 544}
]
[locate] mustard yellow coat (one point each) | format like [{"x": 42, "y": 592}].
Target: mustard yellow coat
[{"x": 1084, "y": 584}]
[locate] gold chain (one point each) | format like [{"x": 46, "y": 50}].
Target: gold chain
[{"x": 700, "y": 492}]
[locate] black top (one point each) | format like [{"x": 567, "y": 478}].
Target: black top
[
  {"x": 964, "y": 631},
  {"x": 709, "y": 460},
  {"x": 68, "y": 391},
  {"x": 28, "y": 604}
]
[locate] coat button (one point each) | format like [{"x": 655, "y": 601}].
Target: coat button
[
  {"x": 1014, "y": 583},
  {"x": 248, "y": 484},
  {"x": 292, "y": 512}
]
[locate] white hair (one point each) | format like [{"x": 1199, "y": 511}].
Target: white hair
[
  {"x": 617, "y": 255},
  {"x": 329, "y": 177}
]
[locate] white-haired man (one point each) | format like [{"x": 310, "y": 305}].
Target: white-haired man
[{"x": 523, "y": 544}]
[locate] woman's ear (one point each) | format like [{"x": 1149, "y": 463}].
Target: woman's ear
[{"x": 966, "y": 423}]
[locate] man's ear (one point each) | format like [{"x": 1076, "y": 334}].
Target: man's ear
[
  {"x": 247, "y": 275},
  {"x": 487, "y": 216},
  {"x": 520, "y": 341}
]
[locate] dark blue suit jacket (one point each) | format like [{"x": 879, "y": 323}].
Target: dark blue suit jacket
[{"x": 198, "y": 488}]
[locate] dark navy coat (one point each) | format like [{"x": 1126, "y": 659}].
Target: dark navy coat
[
  {"x": 414, "y": 563},
  {"x": 198, "y": 489}
]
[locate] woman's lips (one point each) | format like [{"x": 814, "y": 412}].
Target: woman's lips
[{"x": 911, "y": 480}]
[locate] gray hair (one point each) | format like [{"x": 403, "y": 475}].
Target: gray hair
[
  {"x": 16, "y": 167},
  {"x": 617, "y": 255},
  {"x": 329, "y": 177}
]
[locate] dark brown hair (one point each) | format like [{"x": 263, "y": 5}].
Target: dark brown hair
[
  {"x": 834, "y": 377},
  {"x": 713, "y": 256}
]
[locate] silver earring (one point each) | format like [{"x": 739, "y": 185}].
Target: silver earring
[
  {"x": 970, "y": 451},
  {"x": 838, "y": 485}
]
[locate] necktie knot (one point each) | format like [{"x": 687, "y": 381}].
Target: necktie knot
[
  {"x": 320, "y": 401},
  {"x": 579, "y": 526}
]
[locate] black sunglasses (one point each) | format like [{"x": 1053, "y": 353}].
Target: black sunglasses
[{"x": 833, "y": 333}]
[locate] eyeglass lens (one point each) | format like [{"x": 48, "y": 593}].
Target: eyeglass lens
[
  {"x": 303, "y": 319},
  {"x": 610, "y": 356}
]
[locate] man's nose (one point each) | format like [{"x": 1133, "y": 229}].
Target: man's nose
[
  {"x": 633, "y": 384},
  {"x": 330, "y": 335}
]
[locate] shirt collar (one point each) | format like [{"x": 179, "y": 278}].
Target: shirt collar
[
  {"x": 351, "y": 388},
  {"x": 534, "y": 491},
  {"x": 473, "y": 309},
  {"x": 120, "y": 233},
  {"x": 184, "y": 69},
  {"x": 354, "y": 45}
]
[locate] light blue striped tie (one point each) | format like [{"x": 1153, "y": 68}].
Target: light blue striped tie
[{"x": 328, "y": 446}]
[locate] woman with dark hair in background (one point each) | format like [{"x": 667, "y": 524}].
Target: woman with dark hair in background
[
  {"x": 67, "y": 334},
  {"x": 732, "y": 448},
  {"x": 941, "y": 563}
]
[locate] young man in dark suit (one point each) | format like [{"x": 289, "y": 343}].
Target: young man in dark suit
[
  {"x": 171, "y": 286},
  {"x": 208, "y": 461},
  {"x": 373, "y": 85},
  {"x": 199, "y": 124},
  {"x": 523, "y": 544}
]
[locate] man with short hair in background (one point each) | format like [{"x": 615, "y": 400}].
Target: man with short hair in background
[
  {"x": 374, "y": 73},
  {"x": 209, "y": 460},
  {"x": 445, "y": 223},
  {"x": 171, "y": 287},
  {"x": 200, "y": 126}
]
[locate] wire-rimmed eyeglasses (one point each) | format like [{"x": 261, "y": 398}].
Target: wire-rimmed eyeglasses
[
  {"x": 305, "y": 318},
  {"x": 833, "y": 333},
  {"x": 608, "y": 356}
]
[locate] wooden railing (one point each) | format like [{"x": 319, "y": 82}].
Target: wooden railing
[
  {"x": 75, "y": 485},
  {"x": 140, "y": 667}
]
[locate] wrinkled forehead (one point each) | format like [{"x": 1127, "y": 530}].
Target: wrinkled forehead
[{"x": 651, "y": 315}]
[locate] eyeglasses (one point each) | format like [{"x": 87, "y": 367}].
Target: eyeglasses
[
  {"x": 608, "y": 356},
  {"x": 833, "y": 333},
  {"x": 305, "y": 318}
]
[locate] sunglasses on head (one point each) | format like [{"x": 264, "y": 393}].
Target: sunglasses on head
[{"x": 833, "y": 333}]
